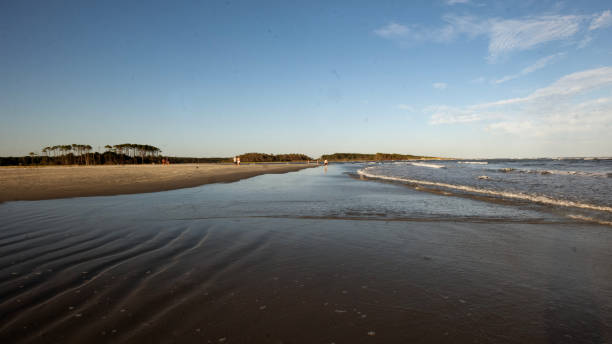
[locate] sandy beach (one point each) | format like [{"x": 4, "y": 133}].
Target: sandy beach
[{"x": 39, "y": 183}]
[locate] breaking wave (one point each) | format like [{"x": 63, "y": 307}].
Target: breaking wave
[
  {"x": 422, "y": 164},
  {"x": 505, "y": 194},
  {"x": 473, "y": 162}
]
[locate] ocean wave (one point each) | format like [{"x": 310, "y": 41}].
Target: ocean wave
[
  {"x": 556, "y": 172},
  {"x": 473, "y": 162},
  {"x": 422, "y": 164},
  {"x": 506, "y": 194}
]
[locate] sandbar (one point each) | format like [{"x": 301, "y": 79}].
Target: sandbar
[{"x": 40, "y": 183}]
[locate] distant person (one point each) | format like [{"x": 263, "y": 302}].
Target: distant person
[
  {"x": 325, "y": 162},
  {"x": 238, "y": 161},
  {"x": 234, "y": 160}
]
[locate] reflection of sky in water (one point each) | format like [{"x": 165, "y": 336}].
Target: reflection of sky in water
[{"x": 307, "y": 193}]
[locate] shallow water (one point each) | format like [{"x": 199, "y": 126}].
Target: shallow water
[{"x": 312, "y": 256}]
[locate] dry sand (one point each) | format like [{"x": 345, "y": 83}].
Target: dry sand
[{"x": 38, "y": 183}]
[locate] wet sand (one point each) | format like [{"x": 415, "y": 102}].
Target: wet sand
[
  {"x": 237, "y": 263},
  {"x": 306, "y": 281},
  {"x": 39, "y": 183}
]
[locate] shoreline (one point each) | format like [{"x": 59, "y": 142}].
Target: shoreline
[{"x": 53, "y": 182}]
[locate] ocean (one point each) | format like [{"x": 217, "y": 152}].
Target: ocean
[{"x": 575, "y": 188}]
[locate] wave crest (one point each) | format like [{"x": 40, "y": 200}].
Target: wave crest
[{"x": 422, "y": 164}]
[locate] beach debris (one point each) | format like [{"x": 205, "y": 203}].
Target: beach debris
[
  {"x": 222, "y": 339},
  {"x": 340, "y": 311},
  {"x": 483, "y": 177},
  {"x": 363, "y": 315},
  {"x": 261, "y": 308},
  {"x": 78, "y": 315},
  {"x": 427, "y": 258},
  {"x": 123, "y": 310},
  {"x": 71, "y": 307},
  {"x": 462, "y": 301},
  {"x": 371, "y": 333},
  {"x": 344, "y": 292}
]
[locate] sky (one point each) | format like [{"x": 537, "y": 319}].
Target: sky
[{"x": 452, "y": 78}]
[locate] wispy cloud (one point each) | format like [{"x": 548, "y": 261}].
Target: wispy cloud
[
  {"x": 454, "y": 2},
  {"x": 515, "y": 35},
  {"x": 539, "y": 64},
  {"x": 585, "y": 41},
  {"x": 392, "y": 30},
  {"x": 602, "y": 21},
  {"x": 405, "y": 107},
  {"x": 568, "y": 105},
  {"x": 478, "y": 80},
  {"x": 504, "y": 35},
  {"x": 440, "y": 85},
  {"x": 442, "y": 114}
]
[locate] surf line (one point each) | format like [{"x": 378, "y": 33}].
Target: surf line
[{"x": 526, "y": 197}]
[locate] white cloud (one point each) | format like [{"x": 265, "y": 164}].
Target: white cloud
[
  {"x": 440, "y": 85},
  {"x": 602, "y": 21},
  {"x": 567, "y": 106},
  {"x": 505, "y": 35},
  {"x": 539, "y": 64},
  {"x": 453, "y": 2},
  {"x": 405, "y": 107}
]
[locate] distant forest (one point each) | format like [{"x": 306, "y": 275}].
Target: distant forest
[
  {"x": 262, "y": 157},
  {"x": 127, "y": 153},
  {"x": 78, "y": 154},
  {"x": 369, "y": 157}
]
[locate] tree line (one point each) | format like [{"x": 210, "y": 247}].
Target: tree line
[
  {"x": 80, "y": 154},
  {"x": 369, "y": 157},
  {"x": 129, "y": 153},
  {"x": 263, "y": 157}
]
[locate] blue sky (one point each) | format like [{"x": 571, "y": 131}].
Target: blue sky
[{"x": 462, "y": 78}]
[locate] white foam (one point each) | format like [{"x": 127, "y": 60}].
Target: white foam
[
  {"x": 521, "y": 196},
  {"x": 473, "y": 162},
  {"x": 589, "y": 219},
  {"x": 422, "y": 164}
]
